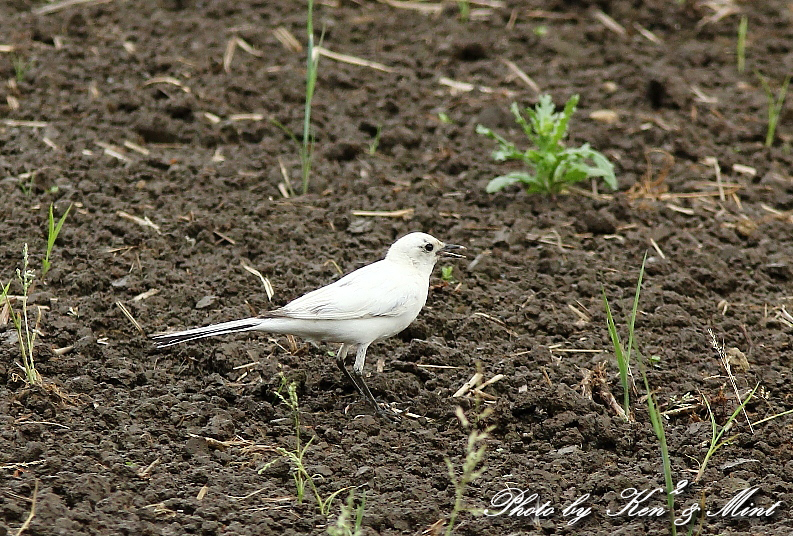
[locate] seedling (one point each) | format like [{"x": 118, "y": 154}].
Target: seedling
[
  {"x": 551, "y": 167},
  {"x": 345, "y": 525},
  {"x": 447, "y": 274},
  {"x": 774, "y": 107},
  {"x": 307, "y": 142},
  {"x": 743, "y": 26},
  {"x": 295, "y": 457},
  {"x": 52, "y": 235},
  {"x": 472, "y": 466},
  {"x": 25, "y": 332},
  {"x": 656, "y": 419},
  {"x": 623, "y": 353},
  {"x": 21, "y": 68},
  {"x": 716, "y": 433},
  {"x": 26, "y": 184},
  {"x": 312, "y": 65},
  {"x": 375, "y": 141}
]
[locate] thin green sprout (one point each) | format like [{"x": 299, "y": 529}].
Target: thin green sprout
[{"x": 743, "y": 26}]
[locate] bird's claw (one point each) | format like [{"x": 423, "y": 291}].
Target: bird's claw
[{"x": 387, "y": 412}]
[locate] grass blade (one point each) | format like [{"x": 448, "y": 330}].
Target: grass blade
[
  {"x": 715, "y": 440},
  {"x": 632, "y": 319},
  {"x": 657, "y": 423},
  {"x": 52, "y": 235},
  {"x": 741, "y": 46},
  {"x": 774, "y": 107},
  {"x": 312, "y": 65},
  {"x": 622, "y": 363}
]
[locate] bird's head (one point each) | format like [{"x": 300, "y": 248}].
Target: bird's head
[{"x": 421, "y": 250}]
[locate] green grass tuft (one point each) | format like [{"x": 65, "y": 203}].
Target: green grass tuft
[
  {"x": 774, "y": 107},
  {"x": 623, "y": 353}
]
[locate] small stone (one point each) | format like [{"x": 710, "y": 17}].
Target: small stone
[
  {"x": 120, "y": 283},
  {"x": 360, "y": 226},
  {"x": 778, "y": 270},
  {"x": 206, "y": 301},
  {"x": 362, "y": 470}
]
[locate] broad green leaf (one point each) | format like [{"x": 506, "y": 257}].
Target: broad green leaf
[
  {"x": 499, "y": 183},
  {"x": 602, "y": 167},
  {"x": 571, "y": 173},
  {"x": 602, "y": 163}
]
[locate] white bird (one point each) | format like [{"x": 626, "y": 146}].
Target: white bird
[{"x": 369, "y": 304}]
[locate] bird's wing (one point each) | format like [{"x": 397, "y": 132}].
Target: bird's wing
[{"x": 374, "y": 290}]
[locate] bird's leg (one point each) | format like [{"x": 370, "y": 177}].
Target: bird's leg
[
  {"x": 341, "y": 355},
  {"x": 357, "y": 372}
]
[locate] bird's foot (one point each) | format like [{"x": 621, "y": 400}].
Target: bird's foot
[{"x": 388, "y": 412}]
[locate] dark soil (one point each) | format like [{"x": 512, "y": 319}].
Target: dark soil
[{"x": 127, "y": 439}]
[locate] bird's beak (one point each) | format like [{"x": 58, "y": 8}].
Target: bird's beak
[{"x": 448, "y": 251}]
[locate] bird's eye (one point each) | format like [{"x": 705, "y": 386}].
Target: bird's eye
[{"x": 428, "y": 247}]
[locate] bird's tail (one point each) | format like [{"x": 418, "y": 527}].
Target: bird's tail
[{"x": 169, "y": 339}]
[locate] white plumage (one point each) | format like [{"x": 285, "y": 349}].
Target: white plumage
[{"x": 369, "y": 304}]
